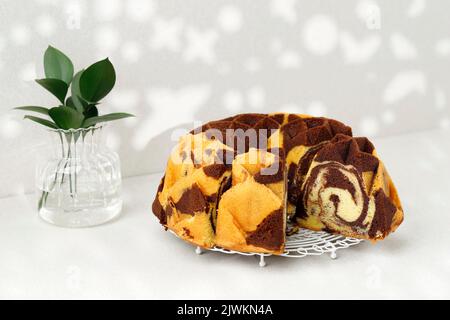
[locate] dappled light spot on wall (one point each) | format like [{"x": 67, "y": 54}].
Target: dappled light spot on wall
[
  {"x": 166, "y": 34},
  {"x": 444, "y": 123},
  {"x": 230, "y": 19},
  {"x": 403, "y": 84},
  {"x": 73, "y": 12},
  {"x": 401, "y": 47},
  {"x": 106, "y": 39},
  {"x": 233, "y": 101},
  {"x": 9, "y": 126},
  {"x": 45, "y": 25},
  {"x": 358, "y": 51},
  {"x": 368, "y": 126},
  {"x": 442, "y": 47},
  {"x": 416, "y": 8},
  {"x": 320, "y": 34},
  {"x": 289, "y": 60},
  {"x": 284, "y": 9},
  {"x": 107, "y": 10},
  {"x": 316, "y": 108},
  {"x": 252, "y": 64},
  {"x": 179, "y": 105},
  {"x": 368, "y": 11},
  {"x": 140, "y": 10},
  {"x": 28, "y": 72},
  {"x": 20, "y": 34},
  {"x": 440, "y": 99},
  {"x": 200, "y": 45},
  {"x": 131, "y": 51},
  {"x": 388, "y": 117},
  {"x": 126, "y": 99},
  {"x": 256, "y": 97}
]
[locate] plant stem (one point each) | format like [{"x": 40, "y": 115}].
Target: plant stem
[{"x": 44, "y": 195}]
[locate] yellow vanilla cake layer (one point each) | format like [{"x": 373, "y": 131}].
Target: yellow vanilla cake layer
[{"x": 249, "y": 206}]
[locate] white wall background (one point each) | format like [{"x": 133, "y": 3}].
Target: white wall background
[{"x": 380, "y": 66}]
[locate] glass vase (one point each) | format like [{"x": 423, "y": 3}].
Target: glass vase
[{"x": 78, "y": 179}]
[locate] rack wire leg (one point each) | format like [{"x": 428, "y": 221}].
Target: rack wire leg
[
  {"x": 262, "y": 262},
  {"x": 198, "y": 250},
  {"x": 333, "y": 255}
]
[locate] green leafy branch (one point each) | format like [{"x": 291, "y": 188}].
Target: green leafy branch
[{"x": 87, "y": 87}]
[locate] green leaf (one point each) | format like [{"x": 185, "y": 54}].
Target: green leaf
[
  {"x": 97, "y": 81},
  {"x": 69, "y": 103},
  {"x": 66, "y": 117},
  {"x": 91, "y": 111},
  {"x": 104, "y": 118},
  {"x": 78, "y": 102},
  {"x": 44, "y": 122},
  {"x": 37, "y": 109},
  {"x": 57, "y": 87},
  {"x": 57, "y": 65}
]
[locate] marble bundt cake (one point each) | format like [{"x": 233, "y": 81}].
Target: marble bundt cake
[{"x": 235, "y": 182}]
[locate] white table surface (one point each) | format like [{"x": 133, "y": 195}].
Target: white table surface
[{"x": 133, "y": 257}]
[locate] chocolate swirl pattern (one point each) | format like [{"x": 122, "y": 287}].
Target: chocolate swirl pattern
[
  {"x": 335, "y": 197},
  {"x": 235, "y": 182},
  {"x": 342, "y": 192}
]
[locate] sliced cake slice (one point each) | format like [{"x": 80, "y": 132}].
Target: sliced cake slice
[
  {"x": 252, "y": 213},
  {"x": 348, "y": 191}
]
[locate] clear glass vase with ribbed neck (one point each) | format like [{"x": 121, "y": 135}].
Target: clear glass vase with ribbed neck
[{"x": 78, "y": 179}]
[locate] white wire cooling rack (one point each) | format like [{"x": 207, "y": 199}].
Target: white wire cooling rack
[{"x": 300, "y": 244}]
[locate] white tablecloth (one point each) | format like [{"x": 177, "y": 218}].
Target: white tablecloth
[{"x": 133, "y": 257}]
